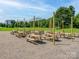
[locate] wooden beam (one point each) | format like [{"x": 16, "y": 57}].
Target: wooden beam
[
  {"x": 17, "y": 25},
  {"x": 62, "y": 26},
  {"x": 34, "y": 23},
  {"x": 53, "y": 29},
  {"x": 24, "y": 25},
  {"x": 72, "y": 27},
  {"x": 38, "y": 24},
  {"x": 50, "y": 25}
]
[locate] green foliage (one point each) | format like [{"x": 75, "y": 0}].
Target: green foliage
[
  {"x": 76, "y": 21},
  {"x": 64, "y": 14},
  {"x": 61, "y": 14},
  {"x": 75, "y": 30}
]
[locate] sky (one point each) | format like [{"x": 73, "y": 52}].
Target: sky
[{"x": 11, "y": 9}]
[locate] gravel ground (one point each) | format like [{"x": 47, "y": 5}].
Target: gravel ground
[{"x": 12, "y": 47}]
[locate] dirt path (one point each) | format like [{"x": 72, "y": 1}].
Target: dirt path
[{"x": 12, "y": 47}]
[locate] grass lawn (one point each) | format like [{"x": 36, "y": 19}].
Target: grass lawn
[{"x": 75, "y": 30}]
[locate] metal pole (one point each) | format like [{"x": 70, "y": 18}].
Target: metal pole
[{"x": 53, "y": 29}]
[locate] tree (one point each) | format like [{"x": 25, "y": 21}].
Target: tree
[
  {"x": 76, "y": 21},
  {"x": 13, "y": 23},
  {"x": 64, "y": 14},
  {"x": 72, "y": 10}
]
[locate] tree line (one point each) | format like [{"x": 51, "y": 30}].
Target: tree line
[{"x": 61, "y": 15}]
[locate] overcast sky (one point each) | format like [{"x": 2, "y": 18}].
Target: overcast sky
[{"x": 28, "y": 8}]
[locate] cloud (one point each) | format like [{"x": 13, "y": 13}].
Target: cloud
[
  {"x": 11, "y": 3},
  {"x": 42, "y": 4},
  {"x": 1, "y": 10},
  {"x": 19, "y": 5},
  {"x": 74, "y": 3}
]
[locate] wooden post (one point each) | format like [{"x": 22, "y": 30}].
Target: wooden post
[
  {"x": 53, "y": 29},
  {"x": 58, "y": 25},
  {"x": 62, "y": 26},
  {"x": 50, "y": 25},
  {"x": 38, "y": 25},
  {"x": 34, "y": 23},
  {"x": 17, "y": 25},
  {"x": 72, "y": 27},
  {"x": 24, "y": 25}
]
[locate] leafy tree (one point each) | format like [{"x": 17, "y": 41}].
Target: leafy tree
[
  {"x": 64, "y": 14},
  {"x": 76, "y": 21},
  {"x": 72, "y": 10}
]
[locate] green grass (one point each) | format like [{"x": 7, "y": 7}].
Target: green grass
[
  {"x": 20, "y": 29},
  {"x": 75, "y": 30}
]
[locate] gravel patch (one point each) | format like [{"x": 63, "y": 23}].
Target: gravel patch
[{"x": 12, "y": 47}]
